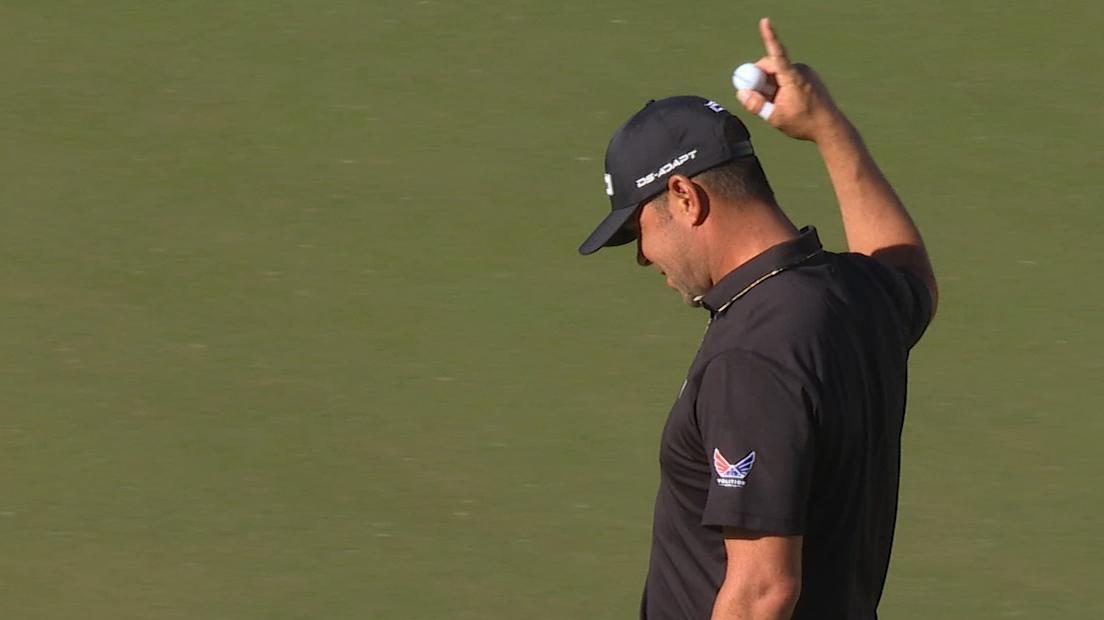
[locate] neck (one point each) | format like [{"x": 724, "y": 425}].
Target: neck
[{"x": 750, "y": 232}]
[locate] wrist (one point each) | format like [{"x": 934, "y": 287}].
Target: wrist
[{"x": 832, "y": 128}]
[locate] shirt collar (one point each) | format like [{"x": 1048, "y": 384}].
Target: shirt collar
[{"x": 772, "y": 261}]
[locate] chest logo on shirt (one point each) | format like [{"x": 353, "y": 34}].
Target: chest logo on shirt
[{"x": 732, "y": 475}]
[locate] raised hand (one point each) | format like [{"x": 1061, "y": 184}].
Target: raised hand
[{"x": 803, "y": 108}]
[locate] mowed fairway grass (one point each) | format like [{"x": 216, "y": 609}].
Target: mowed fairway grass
[{"x": 294, "y": 327}]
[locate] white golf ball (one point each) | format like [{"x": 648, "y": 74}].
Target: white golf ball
[{"x": 748, "y": 76}]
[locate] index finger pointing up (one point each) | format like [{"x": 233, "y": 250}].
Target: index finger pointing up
[{"x": 770, "y": 41}]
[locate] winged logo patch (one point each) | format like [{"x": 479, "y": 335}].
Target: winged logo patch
[{"x": 732, "y": 475}]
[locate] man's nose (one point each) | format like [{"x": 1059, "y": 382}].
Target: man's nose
[{"x": 640, "y": 258}]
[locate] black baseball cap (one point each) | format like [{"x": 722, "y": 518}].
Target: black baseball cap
[{"x": 685, "y": 135}]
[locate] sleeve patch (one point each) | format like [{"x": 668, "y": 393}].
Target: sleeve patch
[{"x": 732, "y": 475}]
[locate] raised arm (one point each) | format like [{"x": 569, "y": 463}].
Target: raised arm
[{"x": 874, "y": 218}]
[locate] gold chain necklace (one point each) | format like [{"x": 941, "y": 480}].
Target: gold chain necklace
[{"x": 757, "y": 282}]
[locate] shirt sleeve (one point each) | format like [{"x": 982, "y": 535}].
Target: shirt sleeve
[
  {"x": 756, "y": 422},
  {"x": 916, "y": 305},
  {"x": 907, "y": 293}
]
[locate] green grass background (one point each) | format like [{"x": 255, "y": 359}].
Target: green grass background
[{"x": 294, "y": 327}]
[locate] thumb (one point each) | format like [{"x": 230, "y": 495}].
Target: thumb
[{"x": 754, "y": 102}]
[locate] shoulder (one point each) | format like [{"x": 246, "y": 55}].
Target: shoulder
[
  {"x": 753, "y": 374},
  {"x": 798, "y": 323},
  {"x": 843, "y": 291},
  {"x": 735, "y": 359}
]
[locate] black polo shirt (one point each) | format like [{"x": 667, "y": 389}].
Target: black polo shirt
[{"x": 789, "y": 423}]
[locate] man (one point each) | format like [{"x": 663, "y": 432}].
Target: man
[{"x": 780, "y": 457}]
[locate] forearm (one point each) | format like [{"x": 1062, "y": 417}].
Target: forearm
[
  {"x": 738, "y": 600},
  {"x": 873, "y": 216}
]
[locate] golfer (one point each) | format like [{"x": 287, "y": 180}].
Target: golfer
[{"x": 780, "y": 458}]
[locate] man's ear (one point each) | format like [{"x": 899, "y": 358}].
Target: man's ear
[{"x": 686, "y": 200}]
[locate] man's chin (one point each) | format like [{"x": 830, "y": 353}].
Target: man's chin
[{"x": 690, "y": 299}]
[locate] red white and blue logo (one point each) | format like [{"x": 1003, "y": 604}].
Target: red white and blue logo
[{"x": 732, "y": 475}]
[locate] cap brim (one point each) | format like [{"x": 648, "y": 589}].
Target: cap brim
[{"x": 610, "y": 232}]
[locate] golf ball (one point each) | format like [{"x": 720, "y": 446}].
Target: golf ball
[{"x": 748, "y": 76}]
